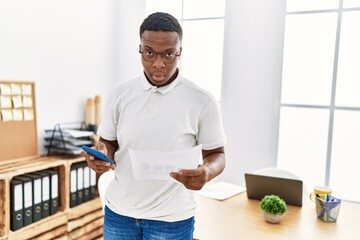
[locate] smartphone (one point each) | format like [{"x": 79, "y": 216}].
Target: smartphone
[{"x": 97, "y": 154}]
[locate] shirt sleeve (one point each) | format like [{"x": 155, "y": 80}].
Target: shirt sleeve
[
  {"x": 211, "y": 132},
  {"x": 109, "y": 121}
]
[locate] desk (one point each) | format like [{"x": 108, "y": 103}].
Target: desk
[{"x": 241, "y": 218}]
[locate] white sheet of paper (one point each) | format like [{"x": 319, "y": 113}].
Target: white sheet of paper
[
  {"x": 5, "y": 89},
  {"x": 6, "y": 115},
  {"x": 28, "y": 114},
  {"x": 5, "y": 102},
  {"x": 26, "y": 89},
  {"x": 220, "y": 190},
  {"x": 159, "y": 164},
  {"x": 78, "y": 133},
  {"x": 15, "y": 89},
  {"x": 17, "y": 115},
  {"x": 17, "y": 101},
  {"x": 27, "y": 101}
]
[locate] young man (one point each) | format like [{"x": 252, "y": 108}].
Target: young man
[{"x": 158, "y": 111}]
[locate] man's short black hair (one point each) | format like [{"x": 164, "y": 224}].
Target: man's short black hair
[{"x": 161, "y": 22}]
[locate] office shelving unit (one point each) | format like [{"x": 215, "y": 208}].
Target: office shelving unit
[
  {"x": 84, "y": 221},
  {"x": 20, "y": 155}
]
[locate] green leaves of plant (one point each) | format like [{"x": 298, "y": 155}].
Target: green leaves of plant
[{"x": 273, "y": 204}]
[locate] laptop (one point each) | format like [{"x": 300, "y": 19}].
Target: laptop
[{"x": 291, "y": 190}]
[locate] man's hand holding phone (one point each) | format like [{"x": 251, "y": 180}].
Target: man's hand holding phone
[{"x": 96, "y": 158}]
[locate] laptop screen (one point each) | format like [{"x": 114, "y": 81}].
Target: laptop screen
[{"x": 291, "y": 190}]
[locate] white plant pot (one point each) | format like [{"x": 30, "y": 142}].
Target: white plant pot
[{"x": 271, "y": 218}]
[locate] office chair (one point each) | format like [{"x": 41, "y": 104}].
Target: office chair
[{"x": 103, "y": 183}]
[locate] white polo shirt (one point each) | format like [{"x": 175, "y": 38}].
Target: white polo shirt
[{"x": 141, "y": 116}]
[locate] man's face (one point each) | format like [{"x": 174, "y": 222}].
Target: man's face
[{"x": 159, "y": 72}]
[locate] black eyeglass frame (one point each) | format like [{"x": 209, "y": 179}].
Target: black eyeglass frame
[{"x": 161, "y": 54}]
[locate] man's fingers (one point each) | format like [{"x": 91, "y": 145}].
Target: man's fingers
[
  {"x": 87, "y": 156},
  {"x": 184, "y": 178},
  {"x": 190, "y": 173},
  {"x": 102, "y": 148}
]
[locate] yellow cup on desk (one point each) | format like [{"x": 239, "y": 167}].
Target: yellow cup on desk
[{"x": 321, "y": 191}]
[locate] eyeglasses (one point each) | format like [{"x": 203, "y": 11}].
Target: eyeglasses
[{"x": 151, "y": 55}]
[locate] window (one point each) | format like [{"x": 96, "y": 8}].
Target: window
[
  {"x": 319, "y": 130},
  {"x": 203, "y": 27}
]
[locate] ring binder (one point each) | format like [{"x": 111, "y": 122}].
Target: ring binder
[
  {"x": 54, "y": 180},
  {"x": 86, "y": 182},
  {"x": 80, "y": 184},
  {"x": 27, "y": 199},
  {"x": 16, "y": 212},
  {"x": 45, "y": 193},
  {"x": 92, "y": 184},
  {"x": 36, "y": 184},
  {"x": 73, "y": 186}
]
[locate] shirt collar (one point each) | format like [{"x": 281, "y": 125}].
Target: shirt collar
[{"x": 163, "y": 90}]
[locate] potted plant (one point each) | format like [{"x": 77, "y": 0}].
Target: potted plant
[{"x": 273, "y": 207}]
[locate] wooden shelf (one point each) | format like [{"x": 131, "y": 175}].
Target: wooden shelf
[
  {"x": 86, "y": 220},
  {"x": 45, "y": 225},
  {"x": 15, "y": 167},
  {"x": 81, "y": 222}
]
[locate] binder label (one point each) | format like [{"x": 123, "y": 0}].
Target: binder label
[
  {"x": 92, "y": 177},
  {"x": 18, "y": 197},
  {"x": 28, "y": 195},
  {"x": 46, "y": 187},
  {"x": 73, "y": 181},
  {"x": 86, "y": 177},
  {"x": 54, "y": 186},
  {"x": 80, "y": 179},
  {"x": 37, "y": 191}
]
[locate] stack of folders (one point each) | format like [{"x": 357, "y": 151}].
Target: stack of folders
[
  {"x": 34, "y": 196},
  {"x": 67, "y": 141},
  {"x": 82, "y": 184}
]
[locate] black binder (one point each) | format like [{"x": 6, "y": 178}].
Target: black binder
[
  {"x": 16, "y": 205},
  {"x": 37, "y": 203},
  {"x": 73, "y": 186},
  {"x": 27, "y": 199},
  {"x": 45, "y": 193},
  {"x": 54, "y": 190},
  {"x": 80, "y": 183},
  {"x": 92, "y": 184},
  {"x": 86, "y": 170}
]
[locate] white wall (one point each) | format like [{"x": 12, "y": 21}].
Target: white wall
[
  {"x": 75, "y": 49},
  {"x": 70, "y": 49},
  {"x": 131, "y": 14},
  {"x": 251, "y": 84}
]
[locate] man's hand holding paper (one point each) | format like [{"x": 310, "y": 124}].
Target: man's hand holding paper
[
  {"x": 181, "y": 165},
  {"x": 193, "y": 179}
]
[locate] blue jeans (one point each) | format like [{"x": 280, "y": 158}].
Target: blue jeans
[{"x": 118, "y": 227}]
